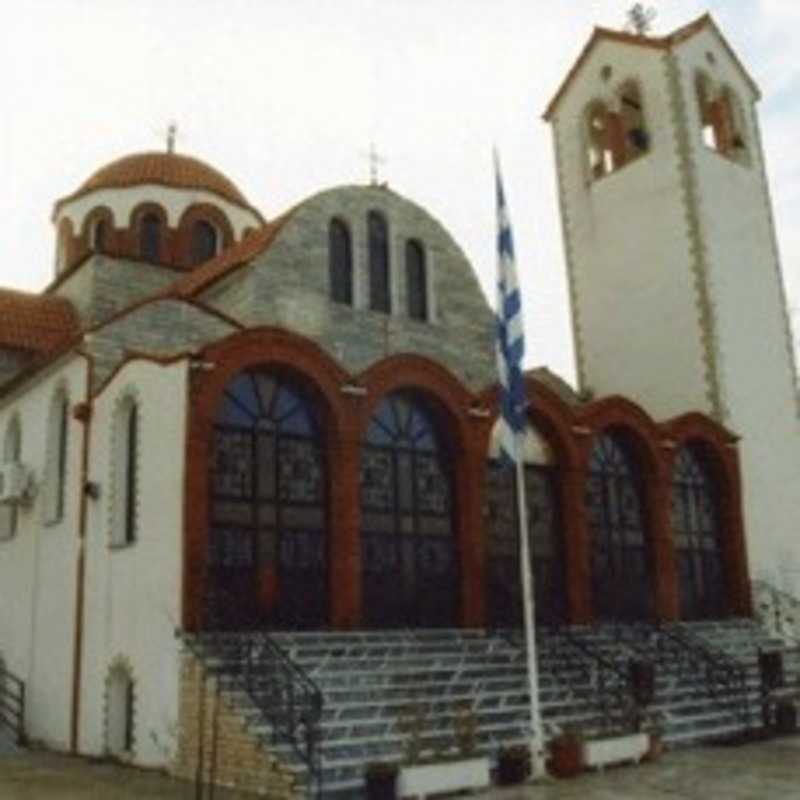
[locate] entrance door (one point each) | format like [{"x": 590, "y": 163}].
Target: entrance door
[
  {"x": 268, "y": 544},
  {"x": 409, "y": 556}
]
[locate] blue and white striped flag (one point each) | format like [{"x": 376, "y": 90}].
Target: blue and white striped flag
[{"x": 510, "y": 337}]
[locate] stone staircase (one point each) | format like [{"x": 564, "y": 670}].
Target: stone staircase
[{"x": 706, "y": 674}]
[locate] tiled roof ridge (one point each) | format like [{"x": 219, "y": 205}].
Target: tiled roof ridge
[{"x": 37, "y": 323}]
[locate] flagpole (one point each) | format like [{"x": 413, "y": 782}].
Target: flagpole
[
  {"x": 538, "y": 768},
  {"x": 513, "y": 421}
]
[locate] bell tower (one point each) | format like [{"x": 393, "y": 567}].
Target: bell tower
[{"x": 675, "y": 282}]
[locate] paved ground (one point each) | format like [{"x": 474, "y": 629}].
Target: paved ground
[{"x": 765, "y": 771}]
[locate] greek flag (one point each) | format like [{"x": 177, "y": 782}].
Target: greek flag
[{"x": 510, "y": 337}]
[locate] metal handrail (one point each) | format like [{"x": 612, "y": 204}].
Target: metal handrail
[
  {"x": 723, "y": 673},
  {"x": 613, "y": 694},
  {"x": 780, "y": 621},
  {"x": 285, "y": 696},
  {"x": 12, "y": 704}
]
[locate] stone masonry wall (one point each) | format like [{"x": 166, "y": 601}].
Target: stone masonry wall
[{"x": 241, "y": 762}]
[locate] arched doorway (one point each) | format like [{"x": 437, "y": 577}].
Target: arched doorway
[
  {"x": 621, "y": 559},
  {"x": 696, "y": 535},
  {"x": 545, "y": 536},
  {"x": 410, "y": 562},
  {"x": 268, "y": 549}
]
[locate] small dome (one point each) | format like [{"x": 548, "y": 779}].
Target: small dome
[{"x": 164, "y": 169}]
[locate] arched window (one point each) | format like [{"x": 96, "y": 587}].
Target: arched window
[
  {"x": 126, "y": 473},
  {"x": 131, "y": 473},
  {"x": 637, "y": 137},
  {"x": 599, "y": 135},
  {"x": 721, "y": 119},
  {"x": 696, "y": 532},
  {"x": 410, "y": 562},
  {"x": 56, "y": 464},
  {"x": 204, "y": 242},
  {"x": 545, "y": 536},
  {"x": 379, "y": 275},
  {"x": 268, "y": 550},
  {"x": 340, "y": 263},
  {"x": 120, "y": 711},
  {"x": 621, "y": 559},
  {"x": 150, "y": 237},
  {"x": 12, "y": 450},
  {"x": 416, "y": 281},
  {"x": 100, "y": 236}
]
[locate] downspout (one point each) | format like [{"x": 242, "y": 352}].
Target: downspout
[{"x": 83, "y": 413}]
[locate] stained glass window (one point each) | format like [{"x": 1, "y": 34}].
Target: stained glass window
[
  {"x": 621, "y": 560},
  {"x": 696, "y": 535},
  {"x": 409, "y": 556}
]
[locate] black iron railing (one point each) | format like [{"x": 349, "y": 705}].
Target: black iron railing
[
  {"x": 287, "y": 699},
  {"x": 724, "y": 677},
  {"x": 777, "y": 611},
  {"x": 611, "y": 695},
  {"x": 12, "y": 704}
]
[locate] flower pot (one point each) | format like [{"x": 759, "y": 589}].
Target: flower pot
[
  {"x": 513, "y": 766},
  {"x": 566, "y": 757},
  {"x": 381, "y": 784}
]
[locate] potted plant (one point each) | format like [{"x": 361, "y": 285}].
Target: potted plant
[
  {"x": 513, "y": 764},
  {"x": 566, "y": 754},
  {"x": 380, "y": 778}
]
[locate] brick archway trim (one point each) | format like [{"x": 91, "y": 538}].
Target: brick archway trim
[
  {"x": 271, "y": 347},
  {"x": 718, "y": 444}
]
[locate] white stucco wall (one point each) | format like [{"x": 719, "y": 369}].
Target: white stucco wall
[
  {"x": 123, "y": 200},
  {"x": 675, "y": 279},
  {"x": 38, "y": 565},
  {"x": 752, "y": 344},
  {"x": 628, "y": 247},
  {"x": 133, "y": 592}
]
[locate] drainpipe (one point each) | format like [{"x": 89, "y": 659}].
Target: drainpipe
[{"x": 83, "y": 413}]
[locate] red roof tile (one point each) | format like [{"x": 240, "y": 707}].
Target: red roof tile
[
  {"x": 164, "y": 169},
  {"x": 38, "y": 323},
  {"x": 653, "y": 42}
]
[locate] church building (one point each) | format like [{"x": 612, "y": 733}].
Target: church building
[{"x": 217, "y": 422}]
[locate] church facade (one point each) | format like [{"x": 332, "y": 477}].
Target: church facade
[{"x": 215, "y": 421}]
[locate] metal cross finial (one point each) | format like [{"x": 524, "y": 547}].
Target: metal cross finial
[
  {"x": 375, "y": 161},
  {"x": 640, "y": 19},
  {"x": 172, "y": 134}
]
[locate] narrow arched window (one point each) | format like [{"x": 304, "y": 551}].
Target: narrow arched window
[
  {"x": 379, "y": 276},
  {"x": 204, "y": 242},
  {"x": 100, "y": 236},
  {"x": 12, "y": 448},
  {"x": 150, "y": 237},
  {"x": 416, "y": 281},
  {"x": 56, "y": 466},
  {"x": 340, "y": 263},
  {"x": 636, "y": 135},
  {"x": 131, "y": 473}
]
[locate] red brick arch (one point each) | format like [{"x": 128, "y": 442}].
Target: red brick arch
[
  {"x": 719, "y": 447},
  {"x": 198, "y": 212},
  {"x": 643, "y": 436},
  {"x": 454, "y": 400},
  {"x": 219, "y": 364}
]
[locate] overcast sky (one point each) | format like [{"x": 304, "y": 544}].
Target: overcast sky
[{"x": 284, "y": 97}]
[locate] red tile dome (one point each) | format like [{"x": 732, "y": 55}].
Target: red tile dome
[{"x": 163, "y": 169}]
